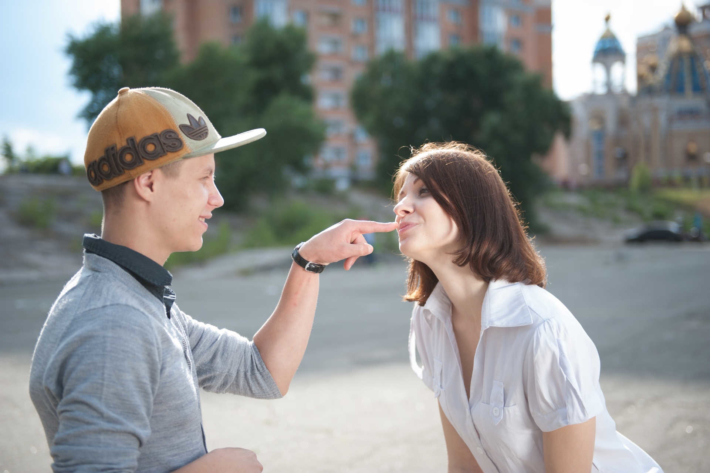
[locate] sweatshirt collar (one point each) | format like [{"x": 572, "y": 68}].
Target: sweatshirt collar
[{"x": 139, "y": 265}]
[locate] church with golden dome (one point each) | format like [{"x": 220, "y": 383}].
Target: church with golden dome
[{"x": 665, "y": 125}]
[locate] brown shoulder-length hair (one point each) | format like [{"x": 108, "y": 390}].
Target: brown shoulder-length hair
[{"x": 494, "y": 242}]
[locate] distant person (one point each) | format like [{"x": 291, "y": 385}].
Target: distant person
[
  {"x": 64, "y": 167},
  {"x": 117, "y": 369},
  {"x": 370, "y": 239},
  {"x": 515, "y": 375},
  {"x": 698, "y": 222}
]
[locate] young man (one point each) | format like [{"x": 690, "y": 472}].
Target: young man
[{"x": 117, "y": 368}]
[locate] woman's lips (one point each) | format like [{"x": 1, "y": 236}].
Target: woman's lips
[{"x": 405, "y": 227}]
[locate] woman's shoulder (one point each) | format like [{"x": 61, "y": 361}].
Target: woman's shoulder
[{"x": 549, "y": 314}]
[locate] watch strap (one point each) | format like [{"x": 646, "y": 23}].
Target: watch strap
[{"x": 304, "y": 263}]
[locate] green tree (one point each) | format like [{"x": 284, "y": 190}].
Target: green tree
[
  {"x": 259, "y": 84},
  {"x": 136, "y": 52},
  {"x": 474, "y": 95},
  {"x": 9, "y": 152},
  {"x": 641, "y": 180}
]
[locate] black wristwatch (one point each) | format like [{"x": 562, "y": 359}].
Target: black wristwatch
[{"x": 305, "y": 264}]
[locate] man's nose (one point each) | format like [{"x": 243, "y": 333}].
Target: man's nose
[{"x": 216, "y": 200}]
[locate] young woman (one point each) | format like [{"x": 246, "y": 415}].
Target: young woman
[{"x": 515, "y": 374}]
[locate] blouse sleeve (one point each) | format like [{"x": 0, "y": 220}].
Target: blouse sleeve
[
  {"x": 417, "y": 343},
  {"x": 562, "y": 384}
]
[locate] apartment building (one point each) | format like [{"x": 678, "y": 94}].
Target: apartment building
[{"x": 346, "y": 34}]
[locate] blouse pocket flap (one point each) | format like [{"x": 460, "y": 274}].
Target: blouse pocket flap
[{"x": 497, "y": 402}]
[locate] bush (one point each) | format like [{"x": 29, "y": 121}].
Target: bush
[
  {"x": 661, "y": 211},
  {"x": 323, "y": 186},
  {"x": 640, "y": 178},
  {"x": 36, "y": 213},
  {"x": 289, "y": 224}
]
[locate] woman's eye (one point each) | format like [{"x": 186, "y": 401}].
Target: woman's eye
[{"x": 423, "y": 190}]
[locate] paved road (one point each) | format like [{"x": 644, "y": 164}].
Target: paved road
[{"x": 356, "y": 407}]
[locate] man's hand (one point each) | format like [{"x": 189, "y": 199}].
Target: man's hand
[
  {"x": 343, "y": 241},
  {"x": 282, "y": 340},
  {"x": 224, "y": 460}
]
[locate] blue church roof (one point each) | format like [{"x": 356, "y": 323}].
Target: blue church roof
[
  {"x": 608, "y": 45},
  {"x": 684, "y": 66}
]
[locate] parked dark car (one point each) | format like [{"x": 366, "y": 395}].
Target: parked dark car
[{"x": 656, "y": 231}]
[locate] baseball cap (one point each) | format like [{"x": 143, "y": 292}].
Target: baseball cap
[{"x": 144, "y": 129}]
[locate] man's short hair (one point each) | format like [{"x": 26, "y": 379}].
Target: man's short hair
[{"x": 113, "y": 197}]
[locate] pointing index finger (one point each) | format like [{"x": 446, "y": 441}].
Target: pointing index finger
[{"x": 364, "y": 226}]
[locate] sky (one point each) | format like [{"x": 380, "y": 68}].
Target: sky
[{"x": 39, "y": 107}]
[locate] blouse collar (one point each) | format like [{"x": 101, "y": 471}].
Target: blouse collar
[{"x": 504, "y": 305}]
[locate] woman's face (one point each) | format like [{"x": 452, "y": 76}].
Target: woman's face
[{"x": 425, "y": 231}]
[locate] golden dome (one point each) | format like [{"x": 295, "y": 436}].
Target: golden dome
[
  {"x": 684, "y": 18},
  {"x": 607, "y": 32},
  {"x": 681, "y": 44}
]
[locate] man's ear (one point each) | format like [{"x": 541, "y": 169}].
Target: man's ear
[{"x": 145, "y": 185}]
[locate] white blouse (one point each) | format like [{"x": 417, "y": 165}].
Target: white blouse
[{"x": 535, "y": 370}]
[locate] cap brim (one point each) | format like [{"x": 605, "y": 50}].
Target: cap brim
[{"x": 230, "y": 142}]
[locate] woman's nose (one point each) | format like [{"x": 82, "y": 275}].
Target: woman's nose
[{"x": 402, "y": 208}]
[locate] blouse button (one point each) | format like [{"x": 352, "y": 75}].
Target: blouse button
[{"x": 496, "y": 411}]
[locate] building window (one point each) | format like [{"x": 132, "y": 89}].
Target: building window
[
  {"x": 236, "y": 39},
  {"x": 426, "y": 10},
  {"x": 360, "y": 53},
  {"x": 360, "y": 134},
  {"x": 330, "y": 18},
  {"x": 330, "y": 45},
  {"x": 331, "y": 73},
  {"x": 334, "y": 153},
  {"x": 276, "y": 11},
  {"x": 492, "y": 24},
  {"x": 390, "y": 25},
  {"x": 515, "y": 21},
  {"x": 455, "y": 16},
  {"x": 364, "y": 158},
  {"x": 516, "y": 46},
  {"x": 359, "y": 26},
  {"x": 427, "y": 32},
  {"x": 148, "y": 7},
  {"x": 235, "y": 14},
  {"x": 300, "y": 18},
  {"x": 359, "y": 3},
  {"x": 331, "y": 100},
  {"x": 334, "y": 127},
  {"x": 454, "y": 40},
  {"x": 427, "y": 38}
]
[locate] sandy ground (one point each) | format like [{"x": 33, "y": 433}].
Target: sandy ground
[{"x": 355, "y": 406}]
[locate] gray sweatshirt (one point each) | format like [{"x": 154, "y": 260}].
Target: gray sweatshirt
[{"x": 116, "y": 382}]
